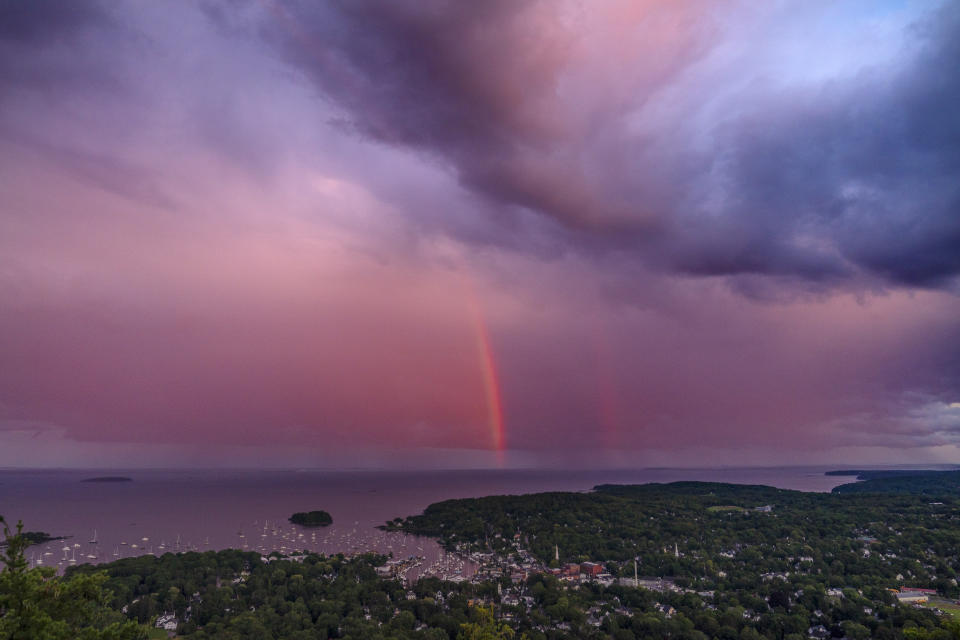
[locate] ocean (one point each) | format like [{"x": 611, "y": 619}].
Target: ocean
[{"x": 164, "y": 511}]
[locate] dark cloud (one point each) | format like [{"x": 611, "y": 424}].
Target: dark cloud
[
  {"x": 478, "y": 86},
  {"x": 857, "y": 175},
  {"x": 24, "y": 21},
  {"x": 609, "y": 158},
  {"x": 870, "y": 164},
  {"x": 54, "y": 53},
  {"x": 535, "y": 110}
]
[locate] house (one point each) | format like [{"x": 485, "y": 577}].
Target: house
[
  {"x": 591, "y": 568},
  {"x": 167, "y": 621}
]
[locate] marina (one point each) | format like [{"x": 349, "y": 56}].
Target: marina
[{"x": 409, "y": 556}]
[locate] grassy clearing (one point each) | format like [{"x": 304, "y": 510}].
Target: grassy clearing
[
  {"x": 726, "y": 507},
  {"x": 950, "y": 606}
]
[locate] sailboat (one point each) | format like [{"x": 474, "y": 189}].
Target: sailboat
[{"x": 94, "y": 540}]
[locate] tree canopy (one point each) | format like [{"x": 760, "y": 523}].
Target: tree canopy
[{"x": 312, "y": 518}]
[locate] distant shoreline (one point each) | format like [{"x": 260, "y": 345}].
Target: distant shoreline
[{"x": 108, "y": 479}]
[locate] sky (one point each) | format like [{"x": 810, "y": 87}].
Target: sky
[{"x": 431, "y": 234}]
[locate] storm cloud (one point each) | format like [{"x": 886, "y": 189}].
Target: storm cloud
[
  {"x": 625, "y": 126},
  {"x": 659, "y": 231}
]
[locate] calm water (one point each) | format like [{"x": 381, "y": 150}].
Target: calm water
[{"x": 249, "y": 509}]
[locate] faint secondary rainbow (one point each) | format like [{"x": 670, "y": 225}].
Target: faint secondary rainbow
[
  {"x": 606, "y": 387},
  {"x": 491, "y": 382}
]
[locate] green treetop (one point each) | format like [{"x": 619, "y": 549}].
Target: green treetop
[{"x": 38, "y": 604}]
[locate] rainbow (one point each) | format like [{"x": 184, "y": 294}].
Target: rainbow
[
  {"x": 491, "y": 382},
  {"x": 488, "y": 367}
]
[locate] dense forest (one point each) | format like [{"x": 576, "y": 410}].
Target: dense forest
[
  {"x": 234, "y": 594},
  {"x": 928, "y": 483},
  {"x": 718, "y": 536},
  {"x": 237, "y": 594}
]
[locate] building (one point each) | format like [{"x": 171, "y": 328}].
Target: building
[
  {"x": 167, "y": 622},
  {"x": 911, "y": 597}
]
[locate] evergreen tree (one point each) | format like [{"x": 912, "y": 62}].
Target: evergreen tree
[{"x": 37, "y": 604}]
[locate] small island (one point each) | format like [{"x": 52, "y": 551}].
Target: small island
[
  {"x": 108, "y": 479},
  {"x": 312, "y": 518},
  {"x": 34, "y": 537}
]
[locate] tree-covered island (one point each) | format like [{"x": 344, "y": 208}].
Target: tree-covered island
[
  {"x": 34, "y": 537},
  {"x": 312, "y": 518}
]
